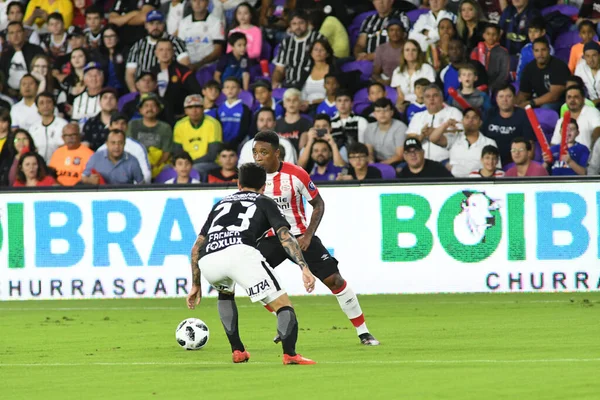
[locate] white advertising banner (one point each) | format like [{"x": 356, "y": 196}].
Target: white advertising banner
[{"x": 460, "y": 237}]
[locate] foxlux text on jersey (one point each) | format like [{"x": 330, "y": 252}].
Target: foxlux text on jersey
[{"x": 220, "y": 240}]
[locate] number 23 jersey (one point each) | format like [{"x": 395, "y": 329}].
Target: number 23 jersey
[{"x": 241, "y": 218}]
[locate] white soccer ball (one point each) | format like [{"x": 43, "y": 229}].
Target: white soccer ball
[{"x": 192, "y": 334}]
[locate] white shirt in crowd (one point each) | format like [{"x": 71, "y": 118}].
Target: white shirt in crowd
[
  {"x": 16, "y": 70},
  {"x": 594, "y": 165},
  {"x": 406, "y": 82},
  {"x": 174, "y": 17},
  {"x": 313, "y": 89},
  {"x": 246, "y": 152},
  {"x": 465, "y": 157},
  {"x": 199, "y": 36},
  {"x": 429, "y": 23},
  {"x": 3, "y": 15},
  {"x": 590, "y": 80},
  {"x": 85, "y": 107},
  {"x": 137, "y": 150},
  {"x": 423, "y": 119},
  {"x": 24, "y": 116},
  {"x": 589, "y": 119},
  {"x": 48, "y": 138}
]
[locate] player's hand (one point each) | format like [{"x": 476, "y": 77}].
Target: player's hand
[
  {"x": 309, "y": 280},
  {"x": 304, "y": 242},
  {"x": 194, "y": 297}
]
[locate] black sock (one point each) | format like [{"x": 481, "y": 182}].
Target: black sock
[
  {"x": 287, "y": 327},
  {"x": 229, "y": 318}
]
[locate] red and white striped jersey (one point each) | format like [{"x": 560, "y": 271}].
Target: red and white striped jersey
[{"x": 287, "y": 186}]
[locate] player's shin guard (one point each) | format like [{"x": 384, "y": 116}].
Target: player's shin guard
[
  {"x": 287, "y": 328},
  {"x": 229, "y": 318},
  {"x": 351, "y": 307}
]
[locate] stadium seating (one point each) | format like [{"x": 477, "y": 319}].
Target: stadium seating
[
  {"x": 365, "y": 68},
  {"x": 354, "y": 28},
  {"x": 568, "y": 10},
  {"x": 126, "y": 98},
  {"x": 387, "y": 171},
  {"x": 547, "y": 119},
  {"x": 247, "y": 98}
]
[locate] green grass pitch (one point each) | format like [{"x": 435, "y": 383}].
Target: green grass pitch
[{"x": 476, "y": 346}]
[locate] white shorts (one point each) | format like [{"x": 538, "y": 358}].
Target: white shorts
[{"x": 244, "y": 265}]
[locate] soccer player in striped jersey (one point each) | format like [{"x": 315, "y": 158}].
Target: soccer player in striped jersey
[{"x": 287, "y": 184}]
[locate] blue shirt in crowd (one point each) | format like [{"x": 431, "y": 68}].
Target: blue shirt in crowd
[{"x": 126, "y": 170}]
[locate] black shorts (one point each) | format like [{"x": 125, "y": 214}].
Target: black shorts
[{"x": 320, "y": 262}]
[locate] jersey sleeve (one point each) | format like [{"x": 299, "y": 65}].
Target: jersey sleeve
[
  {"x": 272, "y": 213},
  {"x": 306, "y": 187}
]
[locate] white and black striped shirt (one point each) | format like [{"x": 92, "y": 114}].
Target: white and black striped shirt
[
  {"x": 142, "y": 58},
  {"x": 349, "y": 130},
  {"x": 85, "y": 107},
  {"x": 375, "y": 29},
  {"x": 293, "y": 56}
]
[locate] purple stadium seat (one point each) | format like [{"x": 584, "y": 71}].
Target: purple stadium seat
[
  {"x": 569, "y": 11},
  {"x": 360, "y": 107},
  {"x": 387, "y": 171},
  {"x": 126, "y": 98},
  {"x": 365, "y": 68},
  {"x": 221, "y": 99},
  {"x": 391, "y": 94},
  {"x": 278, "y": 93},
  {"x": 414, "y": 15},
  {"x": 276, "y": 50},
  {"x": 256, "y": 72},
  {"x": 247, "y": 98},
  {"x": 548, "y": 120},
  {"x": 354, "y": 28},
  {"x": 266, "y": 51},
  {"x": 205, "y": 74},
  {"x": 563, "y": 55},
  {"x": 361, "y": 98},
  {"x": 567, "y": 40},
  {"x": 169, "y": 172}
]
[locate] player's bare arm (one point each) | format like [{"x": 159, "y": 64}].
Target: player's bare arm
[
  {"x": 291, "y": 246},
  {"x": 318, "y": 206},
  {"x": 195, "y": 294}
]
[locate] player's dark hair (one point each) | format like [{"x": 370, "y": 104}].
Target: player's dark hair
[
  {"x": 227, "y": 147},
  {"x": 489, "y": 149},
  {"x": 57, "y": 16},
  {"x": 235, "y": 36},
  {"x": 507, "y": 86},
  {"x": 212, "y": 84},
  {"x": 578, "y": 88},
  {"x": 184, "y": 155},
  {"x": 332, "y": 75},
  {"x": 45, "y": 94},
  {"x": 343, "y": 93},
  {"x": 542, "y": 40},
  {"x": 424, "y": 82},
  {"x": 587, "y": 22},
  {"x": 491, "y": 25},
  {"x": 384, "y": 102},
  {"x": 537, "y": 23},
  {"x": 266, "y": 110},
  {"x": 164, "y": 40},
  {"x": 377, "y": 84},
  {"x": 93, "y": 9},
  {"x": 576, "y": 79},
  {"x": 15, "y": 4},
  {"x": 252, "y": 175},
  {"x": 268, "y": 137},
  {"x": 233, "y": 79},
  {"x": 521, "y": 139},
  {"x": 358, "y": 148},
  {"x": 322, "y": 117}
]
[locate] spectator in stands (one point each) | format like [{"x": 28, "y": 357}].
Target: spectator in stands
[
  {"x": 493, "y": 56},
  {"x": 198, "y": 135},
  {"x": 464, "y": 145},
  {"x": 327, "y": 106},
  {"x": 418, "y": 104},
  {"x": 25, "y": 113},
  {"x": 145, "y": 84},
  {"x": 575, "y": 161},
  {"x": 437, "y": 54},
  {"x": 70, "y": 160},
  {"x": 173, "y": 10},
  {"x": 490, "y": 157},
  {"x": 263, "y": 94},
  {"x": 265, "y": 121},
  {"x": 155, "y": 135},
  {"x": 7, "y": 147},
  {"x": 227, "y": 172},
  {"x": 467, "y": 75},
  {"x": 589, "y": 71},
  {"x": 235, "y": 63},
  {"x": 130, "y": 17},
  {"x": 71, "y": 77},
  {"x": 321, "y": 130},
  {"x": 313, "y": 78},
  {"x": 16, "y": 59},
  {"x": 347, "y": 127},
  {"x": 93, "y": 26},
  {"x": 412, "y": 66},
  {"x": 359, "y": 169},
  {"x": 385, "y": 137},
  {"x": 372, "y": 31},
  {"x": 470, "y": 24},
  {"x": 211, "y": 92},
  {"x": 591, "y": 10},
  {"x": 32, "y": 171},
  {"x": 95, "y": 130},
  {"x": 292, "y": 125},
  {"x": 457, "y": 57},
  {"x": 47, "y": 133},
  {"x": 417, "y": 165},
  {"x": 376, "y": 91},
  {"x": 324, "y": 153},
  {"x": 543, "y": 81},
  {"x": 182, "y": 163},
  {"x": 425, "y": 29},
  {"x": 41, "y": 69},
  {"x": 524, "y": 165},
  {"x": 333, "y": 30},
  {"x": 507, "y": 122},
  {"x": 423, "y": 123},
  {"x": 113, "y": 166},
  {"x": 55, "y": 42},
  {"x": 234, "y": 115},
  {"x": 387, "y": 54},
  {"x": 19, "y": 143},
  {"x": 493, "y": 9},
  {"x": 575, "y": 80},
  {"x": 587, "y": 117},
  {"x": 175, "y": 81},
  {"x": 537, "y": 29},
  {"x": 243, "y": 22},
  {"x": 15, "y": 11},
  {"x": 87, "y": 104},
  {"x": 142, "y": 55},
  {"x": 514, "y": 22},
  {"x": 38, "y": 11},
  {"x": 203, "y": 33},
  {"x": 587, "y": 31},
  {"x": 293, "y": 57},
  {"x": 113, "y": 56},
  {"x": 79, "y": 7}
]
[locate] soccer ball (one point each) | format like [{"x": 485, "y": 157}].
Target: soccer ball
[{"x": 192, "y": 334}]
